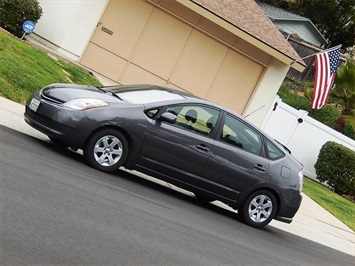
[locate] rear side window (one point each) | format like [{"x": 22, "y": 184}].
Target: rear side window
[
  {"x": 241, "y": 135},
  {"x": 273, "y": 151}
]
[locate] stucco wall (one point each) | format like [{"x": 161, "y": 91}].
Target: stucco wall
[
  {"x": 69, "y": 24},
  {"x": 266, "y": 89}
]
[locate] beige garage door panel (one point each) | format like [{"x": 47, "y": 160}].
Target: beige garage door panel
[
  {"x": 136, "y": 75},
  {"x": 235, "y": 82},
  {"x": 126, "y": 20},
  {"x": 199, "y": 64},
  {"x": 103, "y": 61},
  {"x": 164, "y": 38}
]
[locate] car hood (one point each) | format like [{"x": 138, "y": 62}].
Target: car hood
[{"x": 62, "y": 92}]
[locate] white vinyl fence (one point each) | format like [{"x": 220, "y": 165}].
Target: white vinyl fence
[{"x": 303, "y": 135}]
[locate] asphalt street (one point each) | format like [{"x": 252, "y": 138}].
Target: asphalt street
[{"x": 56, "y": 210}]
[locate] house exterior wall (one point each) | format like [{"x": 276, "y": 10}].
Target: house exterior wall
[
  {"x": 304, "y": 139},
  {"x": 266, "y": 89},
  {"x": 165, "y": 43},
  {"x": 135, "y": 43},
  {"x": 68, "y": 25},
  {"x": 301, "y": 29}
]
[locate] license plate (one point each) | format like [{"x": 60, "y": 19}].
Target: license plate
[{"x": 34, "y": 104}]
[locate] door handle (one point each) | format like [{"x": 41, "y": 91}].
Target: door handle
[
  {"x": 260, "y": 168},
  {"x": 202, "y": 147}
]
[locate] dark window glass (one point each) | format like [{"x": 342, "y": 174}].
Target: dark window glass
[
  {"x": 273, "y": 151},
  {"x": 241, "y": 135},
  {"x": 152, "y": 112},
  {"x": 196, "y": 118}
]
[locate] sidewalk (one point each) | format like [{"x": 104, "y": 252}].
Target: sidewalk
[{"x": 311, "y": 222}]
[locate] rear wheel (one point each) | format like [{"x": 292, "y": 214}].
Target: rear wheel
[
  {"x": 259, "y": 208},
  {"x": 106, "y": 150}
]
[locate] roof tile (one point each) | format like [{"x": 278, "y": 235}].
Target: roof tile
[{"x": 250, "y": 18}]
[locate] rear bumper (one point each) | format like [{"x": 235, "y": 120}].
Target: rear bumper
[{"x": 289, "y": 207}]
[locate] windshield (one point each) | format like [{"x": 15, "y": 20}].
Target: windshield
[{"x": 147, "y": 96}]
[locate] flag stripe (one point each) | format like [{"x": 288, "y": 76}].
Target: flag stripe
[{"x": 326, "y": 64}]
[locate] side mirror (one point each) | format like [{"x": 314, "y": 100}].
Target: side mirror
[{"x": 168, "y": 117}]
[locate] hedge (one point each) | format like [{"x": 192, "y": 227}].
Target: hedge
[{"x": 336, "y": 167}]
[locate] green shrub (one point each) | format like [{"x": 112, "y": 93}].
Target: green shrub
[
  {"x": 14, "y": 12},
  {"x": 293, "y": 99},
  {"x": 349, "y": 130},
  {"x": 336, "y": 166},
  {"x": 345, "y": 127},
  {"x": 327, "y": 115}
]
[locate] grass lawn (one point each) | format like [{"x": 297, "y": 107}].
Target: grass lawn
[
  {"x": 25, "y": 69},
  {"x": 337, "y": 205}
]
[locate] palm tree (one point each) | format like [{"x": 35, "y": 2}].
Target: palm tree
[{"x": 344, "y": 91}]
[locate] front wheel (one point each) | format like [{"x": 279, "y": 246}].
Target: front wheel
[
  {"x": 259, "y": 208},
  {"x": 106, "y": 150}
]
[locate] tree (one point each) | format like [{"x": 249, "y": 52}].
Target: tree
[
  {"x": 14, "y": 12},
  {"x": 336, "y": 21},
  {"x": 344, "y": 91}
]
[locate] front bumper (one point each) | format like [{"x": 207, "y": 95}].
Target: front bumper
[{"x": 71, "y": 127}]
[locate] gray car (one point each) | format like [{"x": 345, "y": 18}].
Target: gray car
[{"x": 176, "y": 137}]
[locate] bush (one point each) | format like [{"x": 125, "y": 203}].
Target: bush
[
  {"x": 327, "y": 115},
  {"x": 349, "y": 130},
  {"x": 14, "y": 12},
  {"x": 336, "y": 167},
  {"x": 292, "y": 97},
  {"x": 345, "y": 127}
]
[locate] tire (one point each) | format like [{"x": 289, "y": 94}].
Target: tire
[
  {"x": 259, "y": 208},
  {"x": 106, "y": 150}
]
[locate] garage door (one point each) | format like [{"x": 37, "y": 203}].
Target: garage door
[{"x": 137, "y": 42}]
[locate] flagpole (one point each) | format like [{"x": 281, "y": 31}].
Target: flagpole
[{"x": 324, "y": 51}]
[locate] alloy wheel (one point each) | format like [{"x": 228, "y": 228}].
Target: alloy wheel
[{"x": 108, "y": 150}]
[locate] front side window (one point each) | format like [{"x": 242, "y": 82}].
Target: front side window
[
  {"x": 240, "y": 135},
  {"x": 195, "y": 118}
]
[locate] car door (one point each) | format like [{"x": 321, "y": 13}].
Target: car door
[
  {"x": 236, "y": 162},
  {"x": 180, "y": 151}
]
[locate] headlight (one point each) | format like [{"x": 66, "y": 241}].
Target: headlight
[
  {"x": 84, "y": 104},
  {"x": 300, "y": 176}
]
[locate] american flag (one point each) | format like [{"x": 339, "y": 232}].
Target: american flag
[{"x": 326, "y": 64}]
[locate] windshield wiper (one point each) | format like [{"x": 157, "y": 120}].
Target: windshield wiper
[
  {"x": 100, "y": 89},
  {"x": 105, "y": 91},
  {"x": 115, "y": 95}
]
